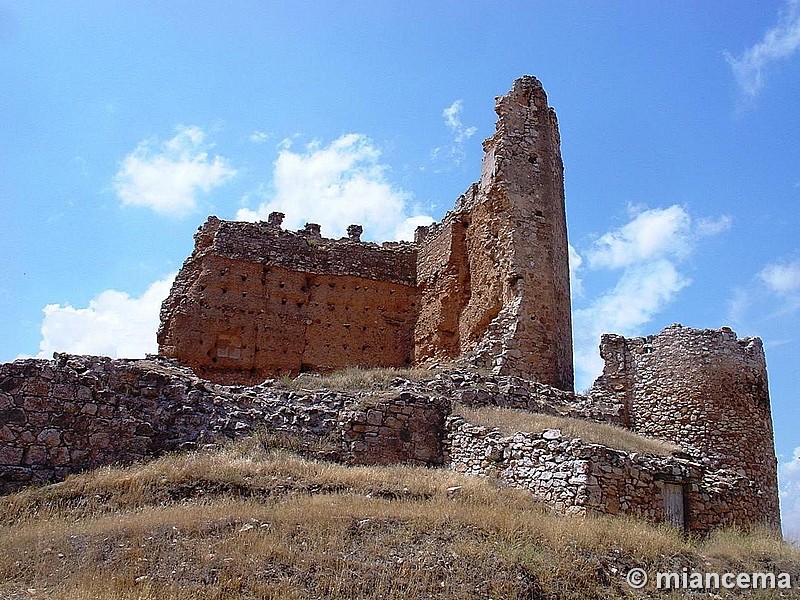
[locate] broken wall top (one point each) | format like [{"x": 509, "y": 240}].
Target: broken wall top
[{"x": 307, "y": 251}]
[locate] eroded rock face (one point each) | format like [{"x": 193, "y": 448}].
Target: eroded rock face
[{"x": 491, "y": 280}]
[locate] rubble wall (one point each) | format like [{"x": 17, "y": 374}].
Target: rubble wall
[
  {"x": 396, "y": 428},
  {"x": 575, "y": 477},
  {"x": 75, "y": 413},
  {"x": 707, "y": 391},
  {"x": 255, "y": 301}
]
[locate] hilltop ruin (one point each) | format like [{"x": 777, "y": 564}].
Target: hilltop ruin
[{"x": 485, "y": 291}]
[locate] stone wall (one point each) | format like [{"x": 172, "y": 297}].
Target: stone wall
[
  {"x": 705, "y": 390},
  {"x": 254, "y": 301},
  {"x": 396, "y": 428},
  {"x": 76, "y": 412},
  {"x": 494, "y": 274},
  {"x": 575, "y": 477}
]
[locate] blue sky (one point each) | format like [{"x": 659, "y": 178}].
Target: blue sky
[{"x": 127, "y": 123}]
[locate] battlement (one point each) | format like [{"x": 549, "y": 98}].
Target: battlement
[{"x": 307, "y": 251}]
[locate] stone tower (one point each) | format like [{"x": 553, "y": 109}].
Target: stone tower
[
  {"x": 707, "y": 391},
  {"x": 494, "y": 274}
]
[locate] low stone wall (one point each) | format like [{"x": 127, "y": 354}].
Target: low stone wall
[
  {"x": 474, "y": 390},
  {"x": 396, "y": 428},
  {"x": 74, "y": 413},
  {"x": 574, "y": 477},
  {"x": 77, "y": 412}
]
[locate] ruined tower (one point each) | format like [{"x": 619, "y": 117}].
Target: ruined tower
[
  {"x": 705, "y": 390},
  {"x": 494, "y": 274},
  {"x": 490, "y": 281}
]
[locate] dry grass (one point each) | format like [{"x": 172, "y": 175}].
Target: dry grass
[
  {"x": 242, "y": 523},
  {"x": 510, "y": 421},
  {"x": 357, "y": 378}
]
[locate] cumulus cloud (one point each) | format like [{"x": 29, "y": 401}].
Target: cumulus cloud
[
  {"x": 782, "y": 278},
  {"x": 168, "y": 176},
  {"x": 459, "y": 131},
  {"x": 647, "y": 252},
  {"x": 651, "y": 234},
  {"x": 338, "y": 185},
  {"x": 789, "y": 478},
  {"x": 114, "y": 324},
  {"x": 779, "y": 42},
  {"x": 641, "y": 292}
]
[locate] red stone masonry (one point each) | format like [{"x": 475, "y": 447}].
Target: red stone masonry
[{"x": 494, "y": 274}]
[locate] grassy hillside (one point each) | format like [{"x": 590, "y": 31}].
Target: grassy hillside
[{"x": 244, "y": 522}]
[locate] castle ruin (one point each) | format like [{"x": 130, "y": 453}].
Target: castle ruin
[
  {"x": 492, "y": 279},
  {"x": 485, "y": 291}
]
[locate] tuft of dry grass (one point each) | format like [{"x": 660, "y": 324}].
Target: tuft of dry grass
[
  {"x": 510, "y": 421},
  {"x": 358, "y": 378},
  {"x": 243, "y": 523}
]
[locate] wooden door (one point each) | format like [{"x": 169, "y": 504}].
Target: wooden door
[{"x": 673, "y": 505}]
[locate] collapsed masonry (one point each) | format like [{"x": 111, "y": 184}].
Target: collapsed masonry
[{"x": 488, "y": 286}]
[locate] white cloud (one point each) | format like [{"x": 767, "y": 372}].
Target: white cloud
[
  {"x": 114, "y": 324},
  {"x": 648, "y": 250},
  {"x": 708, "y": 226},
  {"x": 406, "y": 229},
  {"x": 738, "y": 306},
  {"x": 167, "y": 177},
  {"x": 641, "y": 292},
  {"x": 338, "y": 185},
  {"x": 651, "y": 234},
  {"x": 452, "y": 118},
  {"x": 780, "y": 42},
  {"x": 259, "y": 137},
  {"x": 461, "y": 133},
  {"x": 782, "y": 279},
  {"x": 789, "y": 479}
]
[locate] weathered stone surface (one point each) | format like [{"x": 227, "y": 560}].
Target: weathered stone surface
[
  {"x": 494, "y": 274},
  {"x": 254, "y": 301},
  {"x": 579, "y": 478},
  {"x": 396, "y": 428},
  {"x": 488, "y": 288}
]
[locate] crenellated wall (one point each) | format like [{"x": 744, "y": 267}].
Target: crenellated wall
[
  {"x": 487, "y": 287},
  {"x": 491, "y": 280},
  {"x": 255, "y": 301}
]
